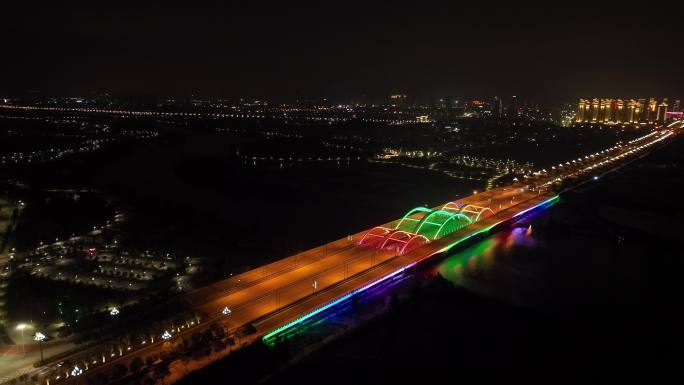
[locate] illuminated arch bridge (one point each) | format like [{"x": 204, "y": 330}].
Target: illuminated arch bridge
[
  {"x": 475, "y": 213},
  {"x": 398, "y": 241},
  {"x": 422, "y": 225}
]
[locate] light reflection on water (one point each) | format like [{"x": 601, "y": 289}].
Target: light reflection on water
[{"x": 495, "y": 266}]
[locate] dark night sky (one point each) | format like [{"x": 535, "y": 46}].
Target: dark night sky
[{"x": 340, "y": 52}]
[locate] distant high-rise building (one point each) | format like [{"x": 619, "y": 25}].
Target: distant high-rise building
[
  {"x": 606, "y": 112},
  {"x": 619, "y": 111},
  {"x": 515, "y": 106},
  {"x": 651, "y": 110},
  {"x": 632, "y": 110},
  {"x": 595, "y": 107},
  {"x": 398, "y": 99},
  {"x": 640, "y": 111},
  {"x": 497, "y": 107},
  {"x": 662, "y": 110},
  {"x": 583, "y": 111},
  {"x": 676, "y": 106}
]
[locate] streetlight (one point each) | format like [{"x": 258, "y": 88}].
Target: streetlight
[
  {"x": 40, "y": 337},
  {"x": 76, "y": 371},
  {"x": 21, "y": 328},
  {"x": 114, "y": 312}
]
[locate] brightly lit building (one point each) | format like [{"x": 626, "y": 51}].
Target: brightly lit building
[
  {"x": 619, "y": 108},
  {"x": 634, "y": 111},
  {"x": 640, "y": 110},
  {"x": 606, "y": 110},
  {"x": 651, "y": 110},
  {"x": 662, "y": 110},
  {"x": 595, "y": 106},
  {"x": 583, "y": 111}
]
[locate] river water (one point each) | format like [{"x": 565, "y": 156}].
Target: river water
[{"x": 489, "y": 268}]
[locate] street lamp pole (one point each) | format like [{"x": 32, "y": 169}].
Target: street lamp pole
[
  {"x": 21, "y": 328},
  {"x": 40, "y": 337}
]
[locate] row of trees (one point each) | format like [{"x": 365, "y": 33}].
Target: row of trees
[{"x": 155, "y": 367}]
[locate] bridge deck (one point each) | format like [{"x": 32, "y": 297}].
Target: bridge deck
[{"x": 283, "y": 291}]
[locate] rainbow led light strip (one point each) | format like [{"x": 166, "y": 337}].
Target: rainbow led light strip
[
  {"x": 332, "y": 303},
  {"x": 549, "y": 201}
]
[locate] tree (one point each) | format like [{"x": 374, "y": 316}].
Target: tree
[
  {"x": 219, "y": 331},
  {"x": 219, "y": 345},
  {"x": 136, "y": 365},
  {"x": 120, "y": 370},
  {"x": 149, "y": 361},
  {"x": 247, "y": 330},
  {"x": 162, "y": 370}
]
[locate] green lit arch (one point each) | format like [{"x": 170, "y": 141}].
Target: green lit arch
[
  {"x": 413, "y": 211},
  {"x": 450, "y": 216},
  {"x": 458, "y": 227}
]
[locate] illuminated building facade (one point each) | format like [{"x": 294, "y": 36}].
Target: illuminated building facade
[
  {"x": 662, "y": 110},
  {"x": 595, "y": 106},
  {"x": 633, "y": 111},
  {"x": 583, "y": 111},
  {"x": 651, "y": 110},
  {"x": 606, "y": 110},
  {"x": 640, "y": 110},
  {"x": 619, "y": 111}
]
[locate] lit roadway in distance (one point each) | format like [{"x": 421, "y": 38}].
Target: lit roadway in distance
[{"x": 278, "y": 295}]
